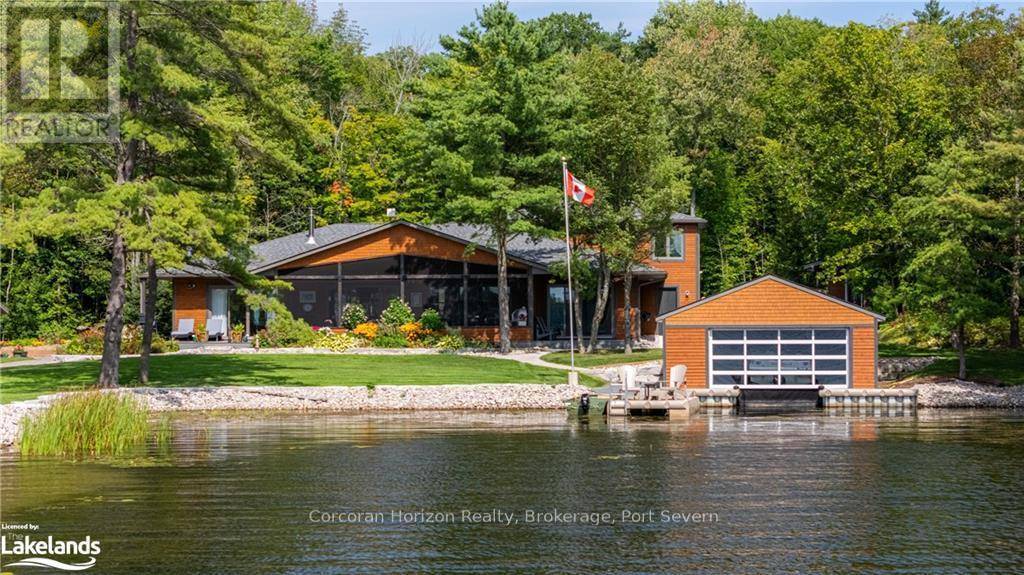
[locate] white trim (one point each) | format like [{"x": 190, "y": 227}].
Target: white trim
[{"x": 745, "y": 357}]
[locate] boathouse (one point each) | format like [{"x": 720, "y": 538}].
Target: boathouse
[{"x": 772, "y": 334}]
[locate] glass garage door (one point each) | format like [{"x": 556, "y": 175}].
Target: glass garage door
[{"x": 780, "y": 357}]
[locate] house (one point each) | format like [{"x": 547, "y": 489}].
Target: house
[
  {"x": 772, "y": 334},
  {"x": 449, "y": 267}
]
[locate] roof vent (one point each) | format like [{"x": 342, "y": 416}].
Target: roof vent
[
  {"x": 392, "y": 213},
  {"x": 311, "y": 240}
]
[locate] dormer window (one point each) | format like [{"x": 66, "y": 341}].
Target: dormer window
[{"x": 670, "y": 246}]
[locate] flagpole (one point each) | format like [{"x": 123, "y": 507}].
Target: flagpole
[{"x": 568, "y": 267}]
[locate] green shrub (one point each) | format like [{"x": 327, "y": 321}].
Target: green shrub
[
  {"x": 352, "y": 315},
  {"x": 451, "y": 342},
  {"x": 326, "y": 339},
  {"x": 431, "y": 320},
  {"x": 161, "y": 345},
  {"x": 87, "y": 342},
  {"x": 287, "y": 331},
  {"x": 391, "y": 339},
  {"x": 91, "y": 423},
  {"x": 397, "y": 313},
  {"x": 53, "y": 332}
]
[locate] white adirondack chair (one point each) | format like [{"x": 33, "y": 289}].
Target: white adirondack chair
[
  {"x": 627, "y": 376},
  {"x": 677, "y": 376}
]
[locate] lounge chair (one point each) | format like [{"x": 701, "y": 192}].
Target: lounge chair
[
  {"x": 677, "y": 378},
  {"x": 216, "y": 328},
  {"x": 186, "y": 329}
]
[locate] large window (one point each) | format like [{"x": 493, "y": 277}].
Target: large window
[
  {"x": 443, "y": 295},
  {"x": 313, "y": 301},
  {"x": 785, "y": 357},
  {"x": 483, "y": 300},
  {"x": 425, "y": 282},
  {"x": 670, "y": 246},
  {"x": 374, "y": 295}
]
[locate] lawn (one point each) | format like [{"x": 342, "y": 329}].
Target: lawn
[
  {"x": 603, "y": 357},
  {"x": 983, "y": 365},
  {"x": 13, "y": 359},
  {"x": 18, "y": 383}
]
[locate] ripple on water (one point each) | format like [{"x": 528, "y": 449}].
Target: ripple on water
[{"x": 933, "y": 492}]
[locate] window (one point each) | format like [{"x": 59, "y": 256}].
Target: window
[
  {"x": 416, "y": 265},
  {"x": 374, "y": 295},
  {"x": 790, "y": 357},
  {"x": 443, "y": 295},
  {"x": 329, "y": 270},
  {"x": 313, "y": 301},
  {"x": 375, "y": 267},
  {"x": 671, "y": 246},
  {"x": 483, "y": 299}
]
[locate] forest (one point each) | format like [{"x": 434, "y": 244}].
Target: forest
[{"x": 890, "y": 156}]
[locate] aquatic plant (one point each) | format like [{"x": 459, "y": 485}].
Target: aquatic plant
[{"x": 90, "y": 423}]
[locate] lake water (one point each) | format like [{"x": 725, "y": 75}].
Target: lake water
[{"x": 802, "y": 493}]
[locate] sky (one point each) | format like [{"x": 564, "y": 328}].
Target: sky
[{"x": 390, "y": 22}]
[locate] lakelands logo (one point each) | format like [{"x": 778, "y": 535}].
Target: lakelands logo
[
  {"x": 59, "y": 71},
  {"x": 40, "y": 552}
]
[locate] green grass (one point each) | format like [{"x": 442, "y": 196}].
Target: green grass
[
  {"x": 86, "y": 424},
  {"x": 603, "y": 357},
  {"x": 13, "y": 359},
  {"x": 19, "y": 383},
  {"x": 983, "y": 365}
]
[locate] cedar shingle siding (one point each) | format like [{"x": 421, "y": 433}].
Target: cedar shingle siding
[{"x": 768, "y": 302}]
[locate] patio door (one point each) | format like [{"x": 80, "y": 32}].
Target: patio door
[
  {"x": 219, "y": 302},
  {"x": 558, "y": 313}
]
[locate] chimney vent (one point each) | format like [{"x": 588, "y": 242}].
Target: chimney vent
[{"x": 311, "y": 240}]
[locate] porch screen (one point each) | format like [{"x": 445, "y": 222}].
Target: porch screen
[{"x": 313, "y": 301}]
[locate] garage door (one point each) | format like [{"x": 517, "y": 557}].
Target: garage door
[{"x": 783, "y": 357}]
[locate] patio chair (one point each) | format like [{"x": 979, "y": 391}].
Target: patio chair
[
  {"x": 186, "y": 329},
  {"x": 677, "y": 378},
  {"x": 627, "y": 377},
  {"x": 542, "y": 331},
  {"x": 216, "y": 328}
]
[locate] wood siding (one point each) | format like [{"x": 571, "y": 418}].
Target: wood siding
[
  {"x": 189, "y": 303},
  {"x": 683, "y": 273},
  {"x": 687, "y": 346},
  {"x": 863, "y": 362},
  {"x": 398, "y": 240},
  {"x": 771, "y": 302}
]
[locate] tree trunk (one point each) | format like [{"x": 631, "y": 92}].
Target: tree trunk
[
  {"x": 504, "y": 343},
  {"x": 627, "y": 309},
  {"x": 148, "y": 317},
  {"x": 1015, "y": 268},
  {"x": 577, "y": 303},
  {"x": 960, "y": 344},
  {"x": 604, "y": 287},
  {"x": 114, "y": 318},
  {"x": 126, "y": 157}
]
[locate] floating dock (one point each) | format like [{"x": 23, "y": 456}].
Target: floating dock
[{"x": 683, "y": 403}]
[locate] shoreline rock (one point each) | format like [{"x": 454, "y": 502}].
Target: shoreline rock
[
  {"x": 957, "y": 394},
  {"x": 479, "y": 397}
]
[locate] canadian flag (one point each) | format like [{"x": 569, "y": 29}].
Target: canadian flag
[{"x": 577, "y": 190}]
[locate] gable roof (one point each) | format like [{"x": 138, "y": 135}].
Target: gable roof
[
  {"x": 761, "y": 279},
  {"x": 539, "y": 253}
]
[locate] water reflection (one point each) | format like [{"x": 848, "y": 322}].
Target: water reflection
[{"x": 829, "y": 493}]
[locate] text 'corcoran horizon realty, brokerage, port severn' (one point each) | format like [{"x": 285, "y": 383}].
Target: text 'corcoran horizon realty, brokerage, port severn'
[{"x": 509, "y": 518}]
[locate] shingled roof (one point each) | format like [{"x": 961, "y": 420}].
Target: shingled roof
[{"x": 540, "y": 252}]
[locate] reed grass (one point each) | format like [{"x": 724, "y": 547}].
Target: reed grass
[{"x": 90, "y": 423}]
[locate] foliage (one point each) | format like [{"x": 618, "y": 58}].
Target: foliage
[
  {"x": 91, "y": 423},
  {"x": 397, "y": 314},
  {"x": 352, "y": 315},
  {"x": 451, "y": 342},
  {"x": 431, "y": 320},
  {"x": 391, "y": 339},
  {"x": 412, "y": 331},
  {"x": 367, "y": 330},
  {"x": 287, "y": 331},
  {"x": 327, "y": 339}
]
